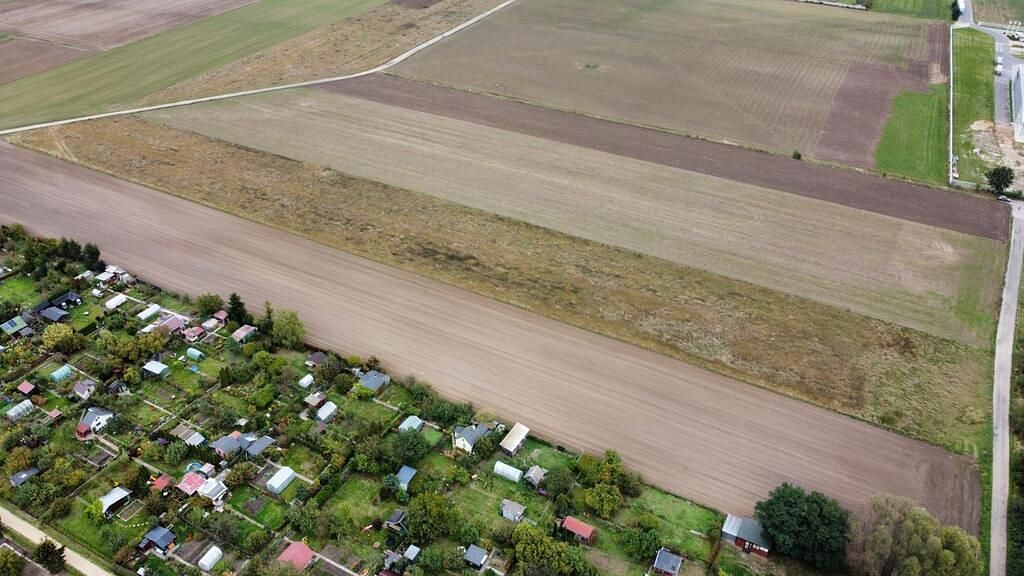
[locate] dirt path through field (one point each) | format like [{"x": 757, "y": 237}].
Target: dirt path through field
[
  {"x": 944, "y": 208},
  {"x": 695, "y": 433}
]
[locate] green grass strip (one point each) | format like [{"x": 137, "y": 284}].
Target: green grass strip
[
  {"x": 973, "y": 96},
  {"x": 915, "y": 138},
  {"x": 122, "y": 76},
  {"x": 932, "y": 9}
]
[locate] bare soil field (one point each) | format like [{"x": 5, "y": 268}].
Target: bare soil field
[
  {"x": 347, "y": 46},
  {"x": 975, "y": 215},
  {"x": 942, "y": 282},
  {"x": 693, "y": 432},
  {"x": 903, "y": 379},
  {"x": 104, "y": 24},
  {"x": 23, "y": 57},
  {"x": 760, "y": 73}
]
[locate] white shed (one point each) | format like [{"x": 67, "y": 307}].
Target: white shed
[
  {"x": 116, "y": 301},
  {"x": 306, "y": 381},
  {"x": 210, "y": 559},
  {"x": 326, "y": 412},
  {"x": 513, "y": 441},
  {"x": 507, "y": 472},
  {"x": 280, "y": 480},
  {"x": 149, "y": 312}
]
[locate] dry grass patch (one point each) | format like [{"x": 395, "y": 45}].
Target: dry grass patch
[
  {"x": 824, "y": 354},
  {"x": 351, "y": 45}
]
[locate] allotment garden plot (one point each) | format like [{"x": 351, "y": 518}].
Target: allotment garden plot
[{"x": 762, "y": 73}]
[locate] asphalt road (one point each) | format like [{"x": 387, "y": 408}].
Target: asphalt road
[
  {"x": 698, "y": 434},
  {"x": 1001, "y": 397},
  {"x": 74, "y": 559}
]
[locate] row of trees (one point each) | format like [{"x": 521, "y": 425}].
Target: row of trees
[
  {"x": 893, "y": 537},
  {"x": 47, "y": 554}
]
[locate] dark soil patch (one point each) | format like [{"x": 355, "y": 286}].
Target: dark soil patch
[
  {"x": 917, "y": 203},
  {"x": 21, "y": 57},
  {"x": 255, "y": 505}
]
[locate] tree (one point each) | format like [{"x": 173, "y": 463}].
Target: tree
[
  {"x": 409, "y": 447},
  {"x": 538, "y": 553},
  {"x": 94, "y": 511},
  {"x": 288, "y": 330},
  {"x": 559, "y": 482},
  {"x": 1000, "y": 179},
  {"x": 49, "y": 555},
  {"x": 429, "y": 517},
  {"x": 603, "y": 500},
  {"x": 60, "y": 338},
  {"x": 176, "y": 453},
  {"x": 11, "y": 564},
  {"x": 237, "y": 311},
  {"x": 207, "y": 304},
  {"x": 640, "y": 543},
  {"x": 811, "y": 527},
  {"x": 266, "y": 322},
  {"x": 90, "y": 256},
  {"x": 896, "y": 537},
  {"x": 18, "y": 459}
]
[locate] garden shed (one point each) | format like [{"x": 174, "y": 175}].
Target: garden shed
[
  {"x": 280, "y": 480},
  {"x": 507, "y": 472}
]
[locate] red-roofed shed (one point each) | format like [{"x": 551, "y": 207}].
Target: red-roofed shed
[
  {"x": 191, "y": 483},
  {"x": 298, "y": 555},
  {"x": 26, "y": 388},
  {"x": 160, "y": 483},
  {"x": 581, "y": 530}
]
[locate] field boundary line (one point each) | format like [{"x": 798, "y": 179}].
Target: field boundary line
[{"x": 389, "y": 64}]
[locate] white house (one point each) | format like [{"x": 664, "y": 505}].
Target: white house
[{"x": 214, "y": 490}]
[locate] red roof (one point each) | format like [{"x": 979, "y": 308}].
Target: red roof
[
  {"x": 298, "y": 555},
  {"x": 191, "y": 483},
  {"x": 160, "y": 483},
  {"x": 55, "y": 413},
  {"x": 83, "y": 429},
  {"x": 220, "y": 315},
  {"x": 26, "y": 387},
  {"x": 579, "y": 527}
]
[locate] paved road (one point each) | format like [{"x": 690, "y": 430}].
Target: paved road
[
  {"x": 1001, "y": 397},
  {"x": 707, "y": 437},
  {"x": 74, "y": 559}
]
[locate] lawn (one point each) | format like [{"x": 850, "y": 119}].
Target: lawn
[
  {"x": 542, "y": 454},
  {"x": 973, "y": 96},
  {"x": 77, "y": 525},
  {"x": 302, "y": 460},
  {"x": 359, "y": 495},
  {"x": 432, "y": 435},
  {"x": 19, "y": 289},
  {"x": 225, "y": 398},
  {"x": 124, "y": 75},
  {"x": 365, "y": 411},
  {"x": 678, "y": 518},
  {"x": 87, "y": 313},
  {"x": 915, "y": 141},
  {"x": 482, "y": 498},
  {"x": 998, "y": 11},
  {"x": 934, "y": 9},
  {"x": 271, "y": 515},
  {"x": 437, "y": 464},
  {"x": 144, "y": 415}
]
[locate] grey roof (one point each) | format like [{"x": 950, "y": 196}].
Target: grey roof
[
  {"x": 67, "y": 298},
  {"x": 397, "y": 517},
  {"x": 113, "y": 497},
  {"x": 14, "y": 325},
  {"x": 226, "y": 445},
  {"x": 317, "y": 358},
  {"x": 747, "y": 529},
  {"x": 405, "y": 475},
  {"x": 160, "y": 536},
  {"x": 536, "y": 474},
  {"x": 53, "y": 314},
  {"x": 374, "y": 380},
  {"x": 668, "y": 562},
  {"x": 256, "y": 447},
  {"x": 412, "y": 552},
  {"x": 92, "y": 413},
  {"x": 472, "y": 433},
  {"x": 20, "y": 478},
  {"x": 475, "y": 555},
  {"x": 85, "y": 387},
  {"x": 512, "y": 510}
]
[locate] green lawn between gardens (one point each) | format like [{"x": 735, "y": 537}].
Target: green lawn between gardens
[
  {"x": 272, "y": 515},
  {"x": 120, "y": 77},
  {"x": 21, "y": 290},
  {"x": 973, "y": 96},
  {"x": 915, "y": 141},
  {"x": 934, "y": 9}
]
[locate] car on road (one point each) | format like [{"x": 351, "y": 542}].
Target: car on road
[{"x": 1003, "y": 198}]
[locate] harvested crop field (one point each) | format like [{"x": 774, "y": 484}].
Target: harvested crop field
[
  {"x": 21, "y": 57},
  {"x": 704, "y": 436},
  {"x": 347, "y": 46},
  {"x": 919, "y": 276},
  {"x": 900, "y": 378},
  {"x": 760, "y": 73},
  {"x": 998, "y": 11},
  {"x": 104, "y": 24}
]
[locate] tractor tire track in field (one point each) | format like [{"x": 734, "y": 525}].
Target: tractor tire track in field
[{"x": 698, "y": 434}]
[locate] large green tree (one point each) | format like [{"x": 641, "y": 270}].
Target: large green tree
[
  {"x": 207, "y": 304},
  {"x": 288, "y": 330},
  {"x": 430, "y": 517},
  {"x": 895, "y": 537},
  {"x": 811, "y": 527},
  {"x": 11, "y": 563},
  {"x": 50, "y": 555}
]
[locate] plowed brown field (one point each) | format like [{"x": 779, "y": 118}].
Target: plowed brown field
[
  {"x": 760, "y": 73},
  {"x": 704, "y": 436}
]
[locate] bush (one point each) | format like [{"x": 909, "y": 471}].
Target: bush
[{"x": 811, "y": 527}]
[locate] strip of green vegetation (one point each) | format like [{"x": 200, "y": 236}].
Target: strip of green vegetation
[
  {"x": 973, "y": 96},
  {"x": 914, "y": 141},
  {"x": 934, "y": 9},
  {"x": 124, "y": 75},
  {"x": 20, "y": 290}
]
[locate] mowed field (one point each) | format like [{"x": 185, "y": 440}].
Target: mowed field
[
  {"x": 45, "y": 35},
  {"x": 924, "y": 277},
  {"x": 767, "y": 74},
  {"x": 124, "y": 75},
  {"x": 998, "y": 11},
  {"x": 704, "y": 436},
  {"x": 104, "y": 24}
]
